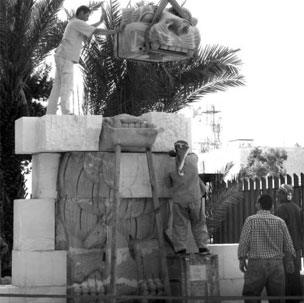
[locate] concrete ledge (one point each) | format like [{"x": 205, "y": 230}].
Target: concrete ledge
[
  {"x": 39, "y": 268},
  {"x": 34, "y": 224},
  {"x": 10, "y": 289},
  {"x": 52, "y": 133}
]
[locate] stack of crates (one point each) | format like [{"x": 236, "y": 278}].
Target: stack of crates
[{"x": 194, "y": 275}]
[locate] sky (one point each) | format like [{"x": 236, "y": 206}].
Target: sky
[{"x": 269, "y": 34}]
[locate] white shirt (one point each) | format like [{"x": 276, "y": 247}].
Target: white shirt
[{"x": 76, "y": 32}]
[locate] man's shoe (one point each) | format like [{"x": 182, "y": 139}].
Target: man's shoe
[{"x": 204, "y": 251}]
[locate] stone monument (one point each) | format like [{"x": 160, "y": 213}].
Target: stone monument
[{"x": 59, "y": 234}]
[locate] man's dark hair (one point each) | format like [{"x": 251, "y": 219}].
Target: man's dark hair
[
  {"x": 83, "y": 9},
  {"x": 265, "y": 201}
]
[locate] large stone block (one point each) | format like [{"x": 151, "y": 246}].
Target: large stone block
[
  {"x": 135, "y": 179},
  {"x": 230, "y": 277},
  {"x": 82, "y": 175},
  {"x": 52, "y": 133},
  {"x": 39, "y": 268},
  {"x": 25, "y": 132},
  {"x": 44, "y": 175},
  {"x": 34, "y": 224},
  {"x": 176, "y": 127},
  {"x": 228, "y": 260},
  {"x": 11, "y": 290}
]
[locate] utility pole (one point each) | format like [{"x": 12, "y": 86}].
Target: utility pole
[{"x": 214, "y": 142}]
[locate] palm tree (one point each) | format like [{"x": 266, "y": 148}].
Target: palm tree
[
  {"x": 115, "y": 85},
  {"x": 29, "y": 30}
]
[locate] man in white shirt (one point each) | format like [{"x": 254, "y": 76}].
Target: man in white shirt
[{"x": 67, "y": 54}]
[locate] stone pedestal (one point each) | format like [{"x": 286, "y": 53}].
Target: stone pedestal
[{"x": 60, "y": 235}]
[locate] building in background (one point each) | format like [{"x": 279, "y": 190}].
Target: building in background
[{"x": 236, "y": 152}]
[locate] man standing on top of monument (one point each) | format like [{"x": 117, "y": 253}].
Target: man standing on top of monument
[{"x": 68, "y": 53}]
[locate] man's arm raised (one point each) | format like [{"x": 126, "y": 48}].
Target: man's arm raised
[{"x": 102, "y": 31}]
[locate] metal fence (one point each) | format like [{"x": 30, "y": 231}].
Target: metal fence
[{"x": 230, "y": 228}]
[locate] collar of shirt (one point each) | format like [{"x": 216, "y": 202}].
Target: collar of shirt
[{"x": 263, "y": 212}]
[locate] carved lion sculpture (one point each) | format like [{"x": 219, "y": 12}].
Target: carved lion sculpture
[{"x": 170, "y": 32}]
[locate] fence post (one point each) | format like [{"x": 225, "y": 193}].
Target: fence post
[
  {"x": 252, "y": 197},
  {"x": 264, "y": 187},
  {"x": 302, "y": 189},
  {"x": 246, "y": 201},
  {"x": 297, "y": 191}
]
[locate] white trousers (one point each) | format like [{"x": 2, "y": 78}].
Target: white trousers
[{"x": 62, "y": 87}]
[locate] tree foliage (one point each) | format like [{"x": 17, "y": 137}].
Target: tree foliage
[
  {"x": 115, "y": 85},
  {"x": 218, "y": 203},
  {"x": 29, "y": 30},
  {"x": 263, "y": 162}
]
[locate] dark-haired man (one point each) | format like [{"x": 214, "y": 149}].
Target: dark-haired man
[
  {"x": 290, "y": 212},
  {"x": 264, "y": 242},
  {"x": 67, "y": 54}
]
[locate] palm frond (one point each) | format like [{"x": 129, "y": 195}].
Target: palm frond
[
  {"x": 191, "y": 93},
  {"x": 113, "y": 14},
  {"x": 103, "y": 73},
  {"x": 217, "y": 209},
  {"x": 43, "y": 22},
  {"x": 28, "y": 26},
  {"x": 95, "y": 5},
  {"x": 134, "y": 87}
]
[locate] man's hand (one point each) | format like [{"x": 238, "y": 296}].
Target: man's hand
[
  {"x": 101, "y": 31},
  {"x": 243, "y": 265},
  {"x": 289, "y": 266}
]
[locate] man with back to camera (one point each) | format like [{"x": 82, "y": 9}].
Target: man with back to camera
[
  {"x": 67, "y": 54},
  {"x": 290, "y": 212},
  {"x": 264, "y": 242}
]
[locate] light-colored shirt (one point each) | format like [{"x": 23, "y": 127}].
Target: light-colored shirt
[
  {"x": 76, "y": 32},
  {"x": 265, "y": 236}
]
